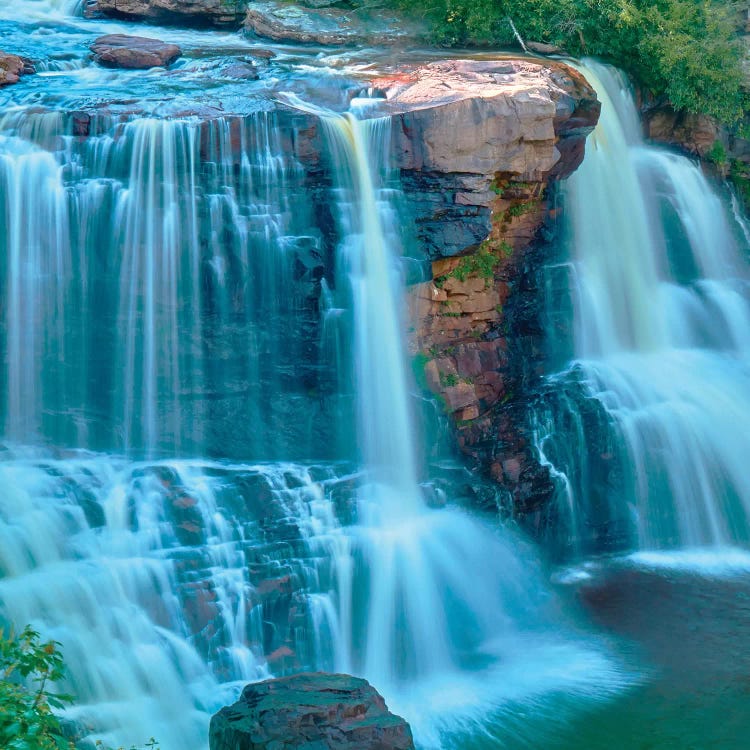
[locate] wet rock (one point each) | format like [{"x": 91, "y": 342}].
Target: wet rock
[
  {"x": 694, "y": 133},
  {"x": 330, "y": 26},
  {"x": 12, "y": 67},
  {"x": 542, "y": 48},
  {"x": 242, "y": 71},
  {"x": 310, "y": 712},
  {"x": 198, "y": 12},
  {"x": 136, "y": 52}
]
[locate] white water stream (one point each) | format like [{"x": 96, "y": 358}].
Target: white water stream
[{"x": 662, "y": 332}]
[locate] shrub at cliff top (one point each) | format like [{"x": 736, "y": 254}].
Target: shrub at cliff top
[{"x": 687, "y": 50}]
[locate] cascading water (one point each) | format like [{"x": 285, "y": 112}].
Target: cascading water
[
  {"x": 172, "y": 288},
  {"x": 659, "y": 387}
]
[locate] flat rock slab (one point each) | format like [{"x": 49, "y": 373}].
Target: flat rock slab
[
  {"x": 313, "y": 711},
  {"x": 134, "y": 52}
]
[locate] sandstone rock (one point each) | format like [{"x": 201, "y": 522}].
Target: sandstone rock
[
  {"x": 459, "y": 396},
  {"x": 12, "y": 67},
  {"x": 694, "y": 133},
  {"x": 324, "y": 25},
  {"x": 310, "y": 712},
  {"x": 461, "y": 123},
  {"x": 123, "y": 51},
  {"x": 199, "y": 12},
  {"x": 482, "y": 117}
]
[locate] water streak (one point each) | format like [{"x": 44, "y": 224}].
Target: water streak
[{"x": 662, "y": 335}]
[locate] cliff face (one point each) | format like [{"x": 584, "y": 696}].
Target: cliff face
[{"x": 479, "y": 144}]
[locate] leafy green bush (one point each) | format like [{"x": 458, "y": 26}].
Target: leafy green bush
[
  {"x": 28, "y": 668},
  {"x": 687, "y": 50}
]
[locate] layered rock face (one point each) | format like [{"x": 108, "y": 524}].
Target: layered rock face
[
  {"x": 12, "y": 67},
  {"x": 465, "y": 126},
  {"x": 309, "y": 712},
  {"x": 478, "y": 144},
  {"x": 285, "y": 22}
]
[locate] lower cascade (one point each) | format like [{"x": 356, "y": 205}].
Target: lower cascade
[{"x": 659, "y": 385}]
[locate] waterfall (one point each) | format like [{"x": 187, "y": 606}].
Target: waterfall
[
  {"x": 182, "y": 297},
  {"x": 660, "y": 374},
  {"x": 190, "y": 241}
]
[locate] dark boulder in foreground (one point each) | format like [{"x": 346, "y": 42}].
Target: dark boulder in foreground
[
  {"x": 135, "y": 52},
  {"x": 312, "y": 711}
]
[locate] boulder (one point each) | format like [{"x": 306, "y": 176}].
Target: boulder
[
  {"x": 311, "y": 711},
  {"x": 197, "y": 12},
  {"x": 329, "y": 26},
  {"x": 137, "y": 52},
  {"x": 12, "y": 67},
  {"x": 241, "y": 71}
]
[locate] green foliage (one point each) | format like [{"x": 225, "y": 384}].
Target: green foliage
[
  {"x": 449, "y": 380},
  {"x": 418, "y": 363},
  {"x": 687, "y": 50},
  {"x": 718, "y": 154},
  {"x": 740, "y": 179},
  {"x": 28, "y": 669},
  {"x": 519, "y": 209},
  {"x": 481, "y": 263}
]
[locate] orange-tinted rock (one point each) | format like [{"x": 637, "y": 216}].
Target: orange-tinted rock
[
  {"x": 135, "y": 52},
  {"x": 12, "y": 67}
]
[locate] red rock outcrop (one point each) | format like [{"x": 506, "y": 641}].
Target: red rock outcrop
[{"x": 478, "y": 143}]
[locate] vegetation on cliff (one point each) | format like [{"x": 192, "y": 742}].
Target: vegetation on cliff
[{"x": 686, "y": 50}]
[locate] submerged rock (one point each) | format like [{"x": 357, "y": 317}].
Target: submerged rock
[
  {"x": 312, "y": 711},
  {"x": 12, "y": 67},
  {"x": 199, "y": 12},
  {"x": 135, "y": 52}
]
